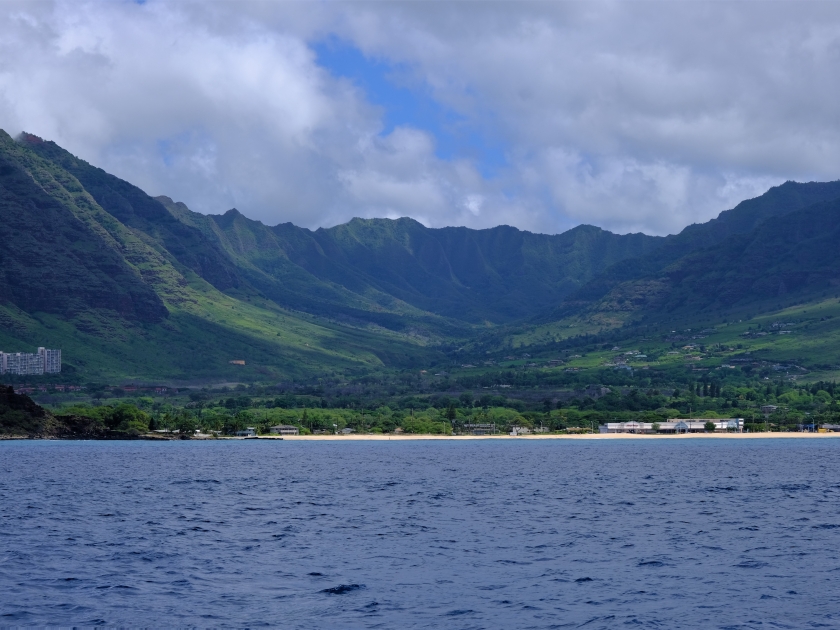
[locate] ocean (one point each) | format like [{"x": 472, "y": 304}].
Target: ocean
[{"x": 421, "y": 534}]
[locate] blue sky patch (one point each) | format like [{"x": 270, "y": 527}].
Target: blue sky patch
[{"x": 407, "y": 103}]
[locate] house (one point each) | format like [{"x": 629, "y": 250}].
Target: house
[
  {"x": 284, "y": 429},
  {"x": 480, "y": 428},
  {"x": 520, "y": 431},
  {"x": 249, "y": 432},
  {"x": 347, "y": 431},
  {"x": 768, "y": 409}
]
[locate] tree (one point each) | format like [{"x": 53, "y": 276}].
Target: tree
[
  {"x": 186, "y": 425},
  {"x": 710, "y": 427},
  {"x": 451, "y": 414}
]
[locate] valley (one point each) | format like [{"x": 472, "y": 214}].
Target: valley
[{"x": 141, "y": 293}]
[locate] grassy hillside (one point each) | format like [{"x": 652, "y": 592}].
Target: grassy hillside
[
  {"x": 121, "y": 305},
  {"x": 135, "y": 288}
]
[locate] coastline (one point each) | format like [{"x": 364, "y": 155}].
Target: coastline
[
  {"x": 584, "y": 436},
  {"x": 414, "y": 437}
]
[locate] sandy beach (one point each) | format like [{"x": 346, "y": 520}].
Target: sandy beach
[{"x": 590, "y": 436}]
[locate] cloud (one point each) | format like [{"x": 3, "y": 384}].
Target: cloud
[{"x": 631, "y": 116}]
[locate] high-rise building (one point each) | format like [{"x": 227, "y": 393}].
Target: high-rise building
[
  {"x": 51, "y": 360},
  {"x": 44, "y": 361}
]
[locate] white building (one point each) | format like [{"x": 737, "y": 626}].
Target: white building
[
  {"x": 44, "y": 361},
  {"x": 52, "y": 360},
  {"x": 677, "y": 425},
  {"x": 284, "y": 429}
]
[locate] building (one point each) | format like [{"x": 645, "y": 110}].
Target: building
[
  {"x": 284, "y": 429},
  {"x": 677, "y": 425},
  {"x": 23, "y": 363},
  {"x": 480, "y": 428},
  {"x": 52, "y": 360},
  {"x": 44, "y": 361},
  {"x": 249, "y": 432}
]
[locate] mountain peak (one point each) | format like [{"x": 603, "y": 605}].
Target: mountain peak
[{"x": 30, "y": 138}]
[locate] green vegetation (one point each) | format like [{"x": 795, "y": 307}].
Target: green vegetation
[
  {"x": 542, "y": 399},
  {"x": 382, "y": 324},
  {"x": 121, "y": 305}
]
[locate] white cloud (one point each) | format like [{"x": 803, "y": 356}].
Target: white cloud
[{"x": 632, "y": 116}]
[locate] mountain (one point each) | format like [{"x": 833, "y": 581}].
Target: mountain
[
  {"x": 136, "y": 287},
  {"x": 92, "y": 265},
  {"x": 379, "y": 270},
  {"x": 140, "y": 287},
  {"x": 61, "y": 253},
  {"x": 398, "y": 271},
  {"x": 624, "y": 287},
  {"x": 786, "y": 258}
]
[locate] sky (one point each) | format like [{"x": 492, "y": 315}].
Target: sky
[{"x": 632, "y": 116}]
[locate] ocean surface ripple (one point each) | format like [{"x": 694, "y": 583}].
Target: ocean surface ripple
[{"x": 421, "y": 534}]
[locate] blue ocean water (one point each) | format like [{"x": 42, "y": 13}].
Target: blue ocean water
[{"x": 421, "y": 534}]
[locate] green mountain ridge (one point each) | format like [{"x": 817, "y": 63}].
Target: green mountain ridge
[
  {"x": 120, "y": 304},
  {"x": 370, "y": 268},
  {"x": 746, "y": 217},
  {"x": 788, "y": 257},
  {"x": 136, "y": 287}
]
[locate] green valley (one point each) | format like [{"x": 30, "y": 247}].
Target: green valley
[{"x": 380, "y": 313}]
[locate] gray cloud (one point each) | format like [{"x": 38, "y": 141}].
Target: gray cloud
[{"x": 631, "y": 116}]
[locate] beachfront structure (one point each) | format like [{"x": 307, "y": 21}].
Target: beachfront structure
[
  {"x": 44, "y": 361},
  {"x": 677, "y": 425},
  {"x": 284, "y": 429},
  {"x": 249, "y": 432},
  {"x": 480, "y": 428}
]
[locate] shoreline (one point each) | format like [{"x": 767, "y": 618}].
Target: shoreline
[
  {"x": 415, "y": 437},
  {"x": 584, "y": 436}
]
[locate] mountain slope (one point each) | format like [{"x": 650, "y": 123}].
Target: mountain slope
[
  {"x": 744, "y": 218},
  {"x": 120, "y": 303},
  {"x": 499, "y": 274},
  {"x": 398, "y": 272},
  {"x": 789, "y": 257},
  {"x": 58, "y": 255}
]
